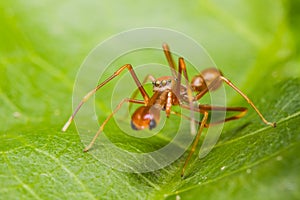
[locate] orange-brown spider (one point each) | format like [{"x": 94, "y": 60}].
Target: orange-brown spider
[{"x": 169, "y": 91}]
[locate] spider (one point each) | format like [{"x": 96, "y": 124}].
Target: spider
[{"x": 170, "y": 91}]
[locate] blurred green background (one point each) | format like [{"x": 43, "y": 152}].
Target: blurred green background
[{"x": 43, "y": 43}]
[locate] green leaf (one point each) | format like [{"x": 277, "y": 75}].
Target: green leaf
[{"x": 42, "y": 45}]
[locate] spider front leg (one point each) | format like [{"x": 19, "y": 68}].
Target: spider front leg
[
  {"x": 135, "y": 93},
  {"x": 170, "y": 59},
  {"x": 177, "y": 77},
  {"x": 89, "y": 94}
]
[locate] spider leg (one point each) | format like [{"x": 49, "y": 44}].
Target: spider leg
[
  {"x": 202, "y": 108},
  {"x": 182, "y": 69},
  {"x": 135, "y": 93},
  {"x": 273, "y": 124},
  {"x": 87, "y": 148},
  {"x": 170, "y": 59},
  {"x": 89, "y": 94},
  {"x": 229, "y": 83},
  {"x": 195, "y": 143}
]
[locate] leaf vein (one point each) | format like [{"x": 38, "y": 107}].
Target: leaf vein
[
  {"x": 57, "y": 161},
  {"x": 24, "y": 185}
]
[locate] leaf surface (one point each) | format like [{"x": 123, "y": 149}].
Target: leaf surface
[{"x": 42, "y": 45}]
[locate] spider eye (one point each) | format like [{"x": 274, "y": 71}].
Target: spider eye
[
  {"x": 164, "y": 82},
  {"x": 152, "y": 124},
  {"x": 157, "y": 83}
]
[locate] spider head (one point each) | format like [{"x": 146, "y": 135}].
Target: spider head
[
  {"x": 145, "y": 117},
  {"x": 163, "y": 83}
]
